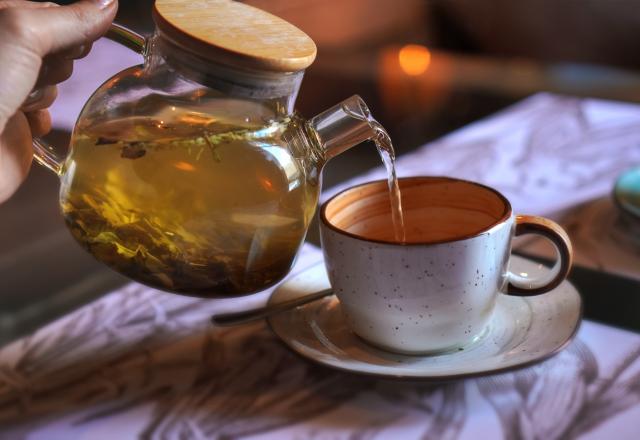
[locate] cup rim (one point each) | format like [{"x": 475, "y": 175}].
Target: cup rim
[{"x": 505, "y": 216}]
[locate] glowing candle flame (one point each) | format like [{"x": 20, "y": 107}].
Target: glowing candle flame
[{"x": 414, "y": 59}]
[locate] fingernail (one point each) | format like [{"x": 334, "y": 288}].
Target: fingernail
[
  {"x": 32, "y": 98},
  {"x": 75, "y": 53},
  {"x": 104, "y": 4}
]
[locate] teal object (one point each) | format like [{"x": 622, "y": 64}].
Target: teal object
[{"x": 627, "y": 192}]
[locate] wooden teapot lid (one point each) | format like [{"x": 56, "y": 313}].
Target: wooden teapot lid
[{"x": 235, "y": 34}]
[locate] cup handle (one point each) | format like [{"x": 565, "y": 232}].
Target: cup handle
[
  {"x": 530, "y": 224},
  {"x": 44, "y": 153}
]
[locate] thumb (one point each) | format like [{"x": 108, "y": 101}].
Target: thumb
[{"x": 52, "y": 29}]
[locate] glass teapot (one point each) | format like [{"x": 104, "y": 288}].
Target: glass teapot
[{"x": 192, "y": 173}]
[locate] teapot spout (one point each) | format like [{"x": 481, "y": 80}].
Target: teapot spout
[{"x": 343, "y": 126}]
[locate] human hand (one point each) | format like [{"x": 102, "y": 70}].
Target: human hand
[{"x": 38, "y": 43}]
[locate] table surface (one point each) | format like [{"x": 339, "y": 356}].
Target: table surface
[{"x": 138, "y": 362}]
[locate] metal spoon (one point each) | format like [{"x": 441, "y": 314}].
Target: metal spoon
[{"x": 235, "y": 318}]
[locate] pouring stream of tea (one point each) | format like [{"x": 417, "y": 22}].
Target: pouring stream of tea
[{"x": 388, "y": 156}]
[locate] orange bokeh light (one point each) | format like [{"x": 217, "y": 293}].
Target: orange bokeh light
[
  {"x": 414, "y": 59},
  {"x": 266, "y": 183},
  {"x": 184, "y": 166}
]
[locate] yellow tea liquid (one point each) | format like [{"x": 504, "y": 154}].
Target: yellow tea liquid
[{"x": 188, "y": 203}]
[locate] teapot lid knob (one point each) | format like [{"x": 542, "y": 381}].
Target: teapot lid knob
[{"x": 235, "y": 34}]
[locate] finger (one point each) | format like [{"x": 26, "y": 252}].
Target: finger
[
  {"x": 39, "y": 122},
  {"x": 54, "y": 70},
  {"x": 53, "y": 29},
  {"x": 76, "y": 52},
  {"x": 29, "y": 33},
  {"x": 40, "y": 99},
  {"x": 25, "y": 4},
  {"x": 16, "y": 154}
]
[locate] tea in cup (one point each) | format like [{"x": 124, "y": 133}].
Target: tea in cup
[{"x": 436, "y": 290}]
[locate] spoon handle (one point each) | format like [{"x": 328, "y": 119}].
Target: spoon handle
[{"x": 235, "y": 318}]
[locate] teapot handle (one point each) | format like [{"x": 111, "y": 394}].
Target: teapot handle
[{"x": 44, "y": 153}]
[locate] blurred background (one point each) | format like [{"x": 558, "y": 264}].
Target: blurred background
[{"x": 425, "y": 68}]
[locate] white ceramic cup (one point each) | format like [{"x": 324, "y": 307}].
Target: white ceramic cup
[{"x": 436, "y": 291}]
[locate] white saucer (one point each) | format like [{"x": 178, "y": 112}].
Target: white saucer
[{"x": 522, "y": 331}]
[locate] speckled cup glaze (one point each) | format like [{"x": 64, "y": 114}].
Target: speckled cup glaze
[{"x": 431, "y": 295}]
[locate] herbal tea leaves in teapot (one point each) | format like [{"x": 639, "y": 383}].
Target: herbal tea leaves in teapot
[{"x": 187, "y": 203}]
